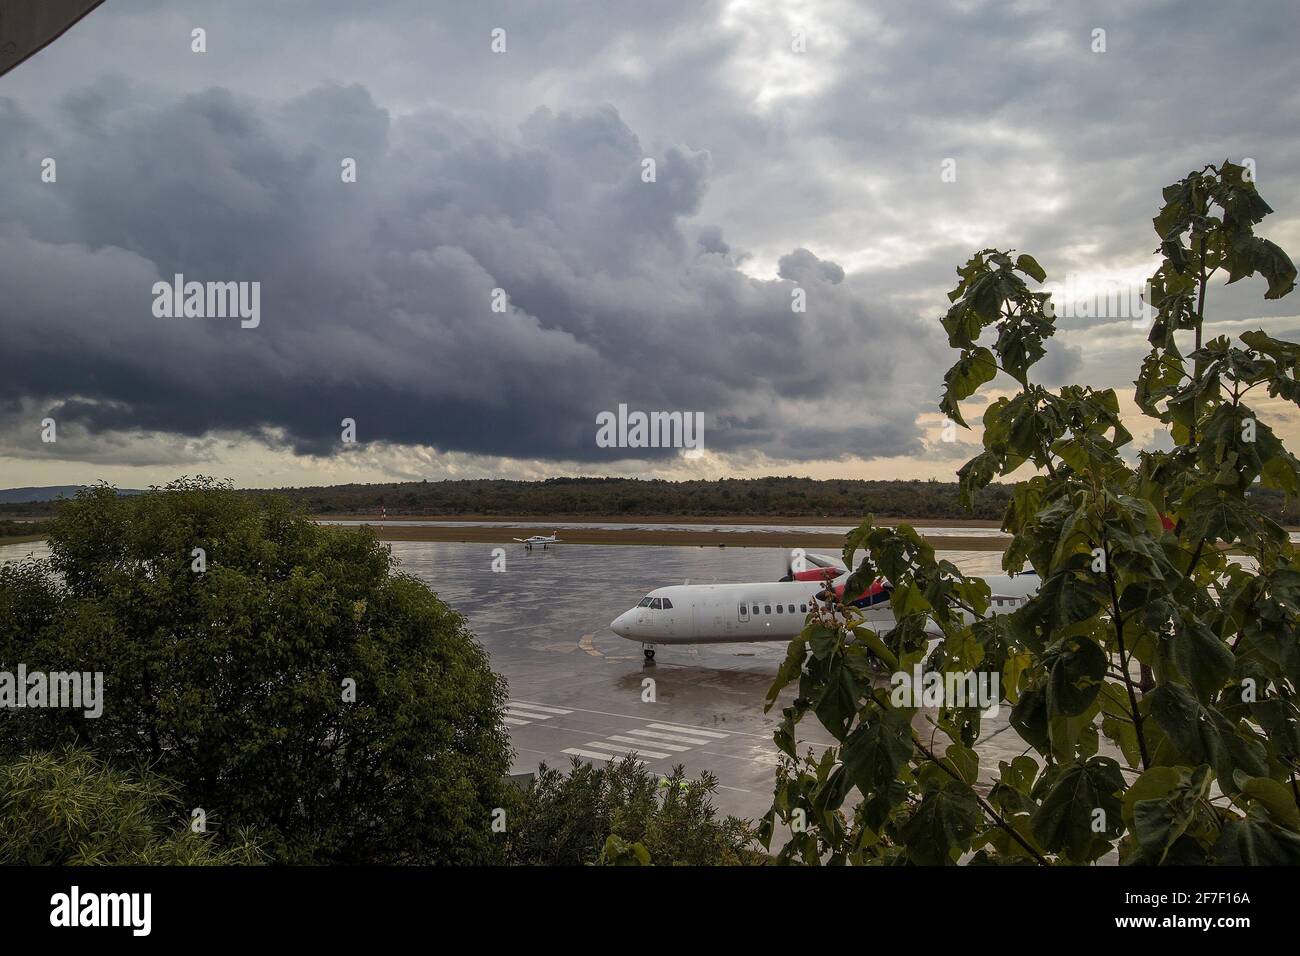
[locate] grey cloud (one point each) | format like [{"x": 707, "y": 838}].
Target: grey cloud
[
  {"x": 802, "y": 266},
  {"x": 375, "y": 296},
  {"x": 479, "y": 171}
]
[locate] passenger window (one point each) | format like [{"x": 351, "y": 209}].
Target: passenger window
[
  {"x": 780, "y": 609},
  {"x": 791, "y": 608},
  {"x": 767, "y": 609},
  {"x": 803, "y": 608},
  {"x": 656, "y": 605},
  {"x": 667, "y": 604},
  {"x": 755, "y": 608}
]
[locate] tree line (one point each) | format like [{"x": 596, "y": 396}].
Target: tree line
[{"x": 790, "y": 497}]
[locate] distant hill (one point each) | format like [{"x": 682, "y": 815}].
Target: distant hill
[
  {"x": 11, "y": 496},
  {"x": 22, "y": 496}
]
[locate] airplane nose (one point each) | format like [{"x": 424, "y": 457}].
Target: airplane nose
[{"x": 622, "y": 625}]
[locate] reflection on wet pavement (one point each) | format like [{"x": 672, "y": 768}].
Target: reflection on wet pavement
[{"x": 545, "y": 622}]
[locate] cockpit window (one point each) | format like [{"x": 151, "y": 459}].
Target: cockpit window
[
  {"x": 656, "y": 604},
  {"x": 667, "y": 604},
  {"x": 645, "y": 602}
]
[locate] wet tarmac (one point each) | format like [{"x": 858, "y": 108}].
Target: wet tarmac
[{"x": 578, "y": 690}]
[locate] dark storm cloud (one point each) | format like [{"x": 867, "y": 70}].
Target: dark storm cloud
[
  {"x": 376, "y": 296},
  {"x": 802, "y": 265},
  {"x": 523, "y": 171}
]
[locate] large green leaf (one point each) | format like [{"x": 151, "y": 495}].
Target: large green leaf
[
  {"x": 1083, "y": 797},
  {"x": 1066, "y": 598},
  {"x": 975, "y": 367},
  {"x": 1201, "y": 657},
  {"x": 1255, "y": 843},
  {"x": 837, "y": 703},
  {"x": 1076, "y": 668},
  {"x": 1218, "y": 515},
  {"x": 1167, "y": 811},
  {"x": 1277, "y": 798},
  {"x": 1029, "y": 718},
  {"x": 875, "y": 751},
  {"x": 1202, "y": 735},
  {"x": 943, "y": 825},
  {"x": 1250, "y": 254},
  {"x": 1030, "y": 267}
]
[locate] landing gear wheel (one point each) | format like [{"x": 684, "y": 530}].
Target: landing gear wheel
[{"x": 648, "y": 651}]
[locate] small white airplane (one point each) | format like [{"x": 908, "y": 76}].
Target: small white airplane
[
  {"x": 541, "y": 539},
  {"x": 774, "y": 611}
]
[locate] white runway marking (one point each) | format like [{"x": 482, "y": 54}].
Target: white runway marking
[
  {"x": 516, "y": 722},
  {"x": 637, "y": 750},
  {"x": 676, "y": 738},
  {"x": 693, "y": 730},
  {"x": 594, "y": 755},
  {"x": 634, "y": 740},
  {"x": 516, "y": 712},
  {"x": 688, "y": 730},
  {"x": 529, "y": 706}
]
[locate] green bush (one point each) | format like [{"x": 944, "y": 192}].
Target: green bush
[
  {"x": 621, "y": 813},
  {"x": 1143, "y": 638},
  {"x": 230, "y": 679},
  {"x": 69, "y": 809}
]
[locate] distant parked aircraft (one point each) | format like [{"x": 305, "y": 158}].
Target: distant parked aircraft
[
  {"x": 774, "y": 611},
  {"x": 543, "y": 540}
]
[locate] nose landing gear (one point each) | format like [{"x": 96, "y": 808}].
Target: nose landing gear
[{"x": 649, "y": 651}]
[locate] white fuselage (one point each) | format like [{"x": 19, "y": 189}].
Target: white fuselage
[{"x": 776, "y": 611}]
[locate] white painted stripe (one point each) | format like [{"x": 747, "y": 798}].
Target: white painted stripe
[
  {"x": 545, "y": 710},
  {"x": 639, "y": 752},
  {"x": 688, "y": 730},
  {"x": 605, "y": 713},
  {"x": 587, "y": 753},
  {"x": 673, "y": 737},
  {"x": 517, "y": 723},
  {"x": 516, "y": 712},
  {"x": 633, "y": 740}
]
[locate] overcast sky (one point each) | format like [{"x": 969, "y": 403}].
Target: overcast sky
[{"x": 522, "y": 170}]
